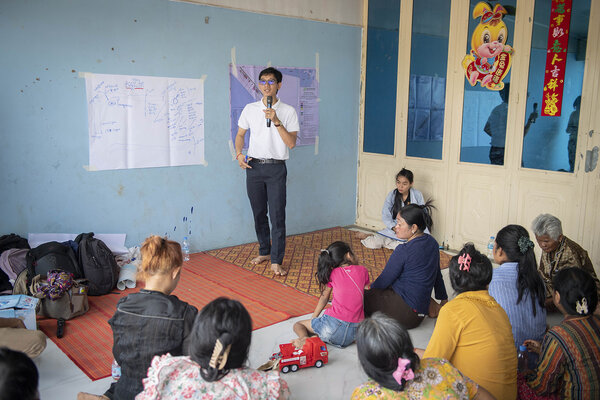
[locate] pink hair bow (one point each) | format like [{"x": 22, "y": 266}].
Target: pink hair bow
[
  {"x": 402, "y": 372},
  {"x": 464, "y": 262},
  {"x": 488, "y": 16}
]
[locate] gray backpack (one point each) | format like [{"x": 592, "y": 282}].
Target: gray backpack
[{"x": 13, "y": 261}]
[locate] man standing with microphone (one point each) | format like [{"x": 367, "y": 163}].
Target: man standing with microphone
[{"x": 273, "y": 129}]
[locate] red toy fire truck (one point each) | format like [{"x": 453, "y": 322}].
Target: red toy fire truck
[{"x": 313, "y": 353}]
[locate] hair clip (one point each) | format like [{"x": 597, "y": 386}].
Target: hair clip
[
  {"x": 402, "y": 372},
  {"x": 582, "y": 307},
  {"x": 524, "y": 244},
  {"x": 464, "y": 262},
  {"x": 324, "y": 251},
  {"x": 219, "y": 357}
]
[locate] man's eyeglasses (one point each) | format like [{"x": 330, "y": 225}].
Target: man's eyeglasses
[{"x": 270, "y": 82}]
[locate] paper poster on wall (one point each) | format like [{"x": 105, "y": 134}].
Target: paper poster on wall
[
  {"x": 300, "y": 89},
  {"x": 144, "y": 121},
  {"x": 490, "y": 57}
]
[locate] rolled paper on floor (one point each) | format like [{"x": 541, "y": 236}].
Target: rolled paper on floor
[{"x": 127, "y": 277}]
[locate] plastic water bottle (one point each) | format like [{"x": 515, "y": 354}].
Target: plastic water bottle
[
  {"x": 115, "y": 370},
  {"x": 522, "y": 358},
  {"x": 490, "y": 247},
  {"x": 185, "y": 248}
]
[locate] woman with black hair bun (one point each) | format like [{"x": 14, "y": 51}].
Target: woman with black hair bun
[
  {"x": 516, "y": 284},
  {"x": 387, "y": 356},
  {"x": 403, "y": 289},
  {"x": 473, "y": 331},
  {"x": 568, "y": 366},
  {"x": 215, "y": 368}
]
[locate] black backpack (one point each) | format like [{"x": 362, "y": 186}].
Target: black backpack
[
  {"x": 98, "y": 262},
  {"x": 12, "y": 241},
  {"x": 52, "y": 255},
  {"x": 5, "y": 285}
]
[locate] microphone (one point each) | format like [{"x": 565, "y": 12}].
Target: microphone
[{"x": 269, "y": 103}]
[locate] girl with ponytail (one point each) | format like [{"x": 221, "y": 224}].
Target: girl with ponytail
[
  {"x": 216, "y": 365},
  {"x": 516, "y": 284},
  {"x": 339, "y": 276}
]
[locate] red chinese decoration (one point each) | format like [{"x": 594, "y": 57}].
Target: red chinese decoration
[{"x": 556, "y": 57}]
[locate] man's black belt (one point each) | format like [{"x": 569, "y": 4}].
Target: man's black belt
[{"x": 267, "y": 161}]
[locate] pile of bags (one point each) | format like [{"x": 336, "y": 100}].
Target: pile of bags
[{"x": 60, "y": 274}]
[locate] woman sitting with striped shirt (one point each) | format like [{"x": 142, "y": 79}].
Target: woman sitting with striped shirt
[
  {"x": 568, "y": 366},
  {"x": 516, "y": 284}
]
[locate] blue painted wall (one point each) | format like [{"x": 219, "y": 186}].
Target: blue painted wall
[{"x": 44, "y": 185}]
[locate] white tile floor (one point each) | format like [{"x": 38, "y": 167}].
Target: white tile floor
[{"x": 61, "y": 379}]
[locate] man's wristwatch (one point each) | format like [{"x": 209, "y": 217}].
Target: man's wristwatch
[{"x": 277, "y": 125}]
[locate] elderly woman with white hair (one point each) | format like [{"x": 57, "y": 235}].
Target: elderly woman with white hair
[{"x": 558, "y": 252}]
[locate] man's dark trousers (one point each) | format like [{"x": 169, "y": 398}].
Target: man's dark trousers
[{"x": 266, "y": 185}]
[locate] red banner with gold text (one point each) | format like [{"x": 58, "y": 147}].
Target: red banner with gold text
[{"x": 556, "y": 57}]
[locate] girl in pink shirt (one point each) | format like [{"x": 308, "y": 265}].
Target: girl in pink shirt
[{"x": 338, "y": 275}]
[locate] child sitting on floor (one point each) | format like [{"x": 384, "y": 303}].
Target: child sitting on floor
[
  {"x": 215, "y": 368},
  {"x": 387, "y": 356},
  {"x": 568, "y": 366},
  {"x": 337, "y": 273},
  {"x": 151, "y": 322}
]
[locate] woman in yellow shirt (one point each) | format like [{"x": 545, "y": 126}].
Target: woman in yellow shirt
[{"x": 473, "y": 331}]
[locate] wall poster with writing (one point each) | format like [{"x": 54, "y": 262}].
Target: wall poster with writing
[
  {"x": 144, "y": 121},
  {"x": 300, "y": 89}
]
